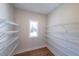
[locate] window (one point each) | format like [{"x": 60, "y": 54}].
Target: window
[{"x": 33, "y": 29}]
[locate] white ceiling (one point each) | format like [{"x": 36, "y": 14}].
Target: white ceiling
[{"x": 43, "y": 8}]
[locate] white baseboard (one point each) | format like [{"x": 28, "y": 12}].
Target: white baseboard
[{"x": 29, "y": 49}]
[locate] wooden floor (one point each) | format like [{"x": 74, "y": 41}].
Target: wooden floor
[{"x": 37, "y": 52}]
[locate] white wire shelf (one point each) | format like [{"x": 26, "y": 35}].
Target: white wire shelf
[
  {"x": 9, "y": 32},
  {"x": 11, "y": 42},
  {"x": 8, "y": 22},
  {"x": 62, "y": 24},
  {"x": 12, "y": 23}
]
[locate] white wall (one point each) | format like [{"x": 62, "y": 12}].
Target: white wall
[
  {"x": 63, "y": 30},
  {"x": 22, "y": 18},
  {"x": 6, "y": 11}
]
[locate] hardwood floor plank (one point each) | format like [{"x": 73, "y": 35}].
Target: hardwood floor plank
[{"x": 38, "y": 52}]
